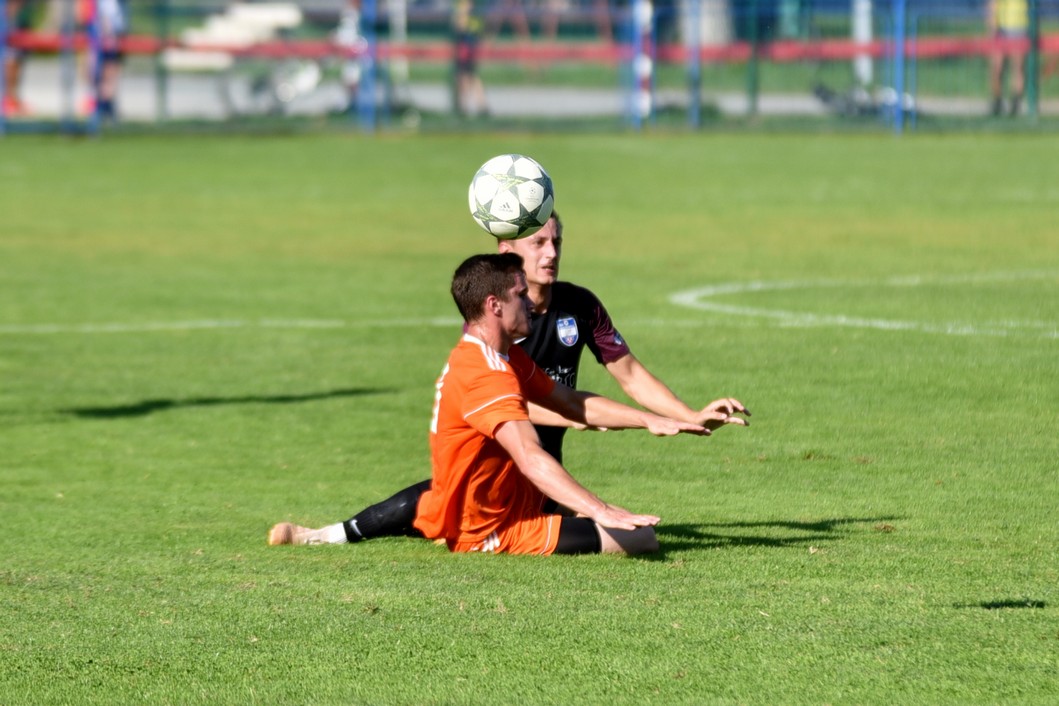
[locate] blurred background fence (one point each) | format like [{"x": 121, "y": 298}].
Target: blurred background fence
[{"x": 87, "y": 65}]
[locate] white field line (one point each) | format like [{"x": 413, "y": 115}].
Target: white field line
[
  {"x": 702, "y": 299},
  {"x": 699, "y": 299},
  {"x": 213, "y": 324}
]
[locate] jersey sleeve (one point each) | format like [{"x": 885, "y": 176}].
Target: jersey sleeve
[
  {"x": 493, "y": 398},
  {"x": 606, "y": 343},
  {"x": 534, "y": 382}
]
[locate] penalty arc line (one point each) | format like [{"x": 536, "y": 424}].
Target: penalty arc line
[{"x": 697, "y": 299}]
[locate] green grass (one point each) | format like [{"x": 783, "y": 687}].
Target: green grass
[{"x": 884, "y": 532}]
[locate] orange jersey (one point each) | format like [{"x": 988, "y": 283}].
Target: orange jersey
[{"x": 476, "y": 489}]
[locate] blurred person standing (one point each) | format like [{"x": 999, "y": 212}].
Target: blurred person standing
[
  {"x": 553, "y": 10},
  {"x": 104, "y": 71},
  {"x": 469, "y": 98},
  {"x": 1007, "y": 21},
  {"x": 17, "y": 19},
  {"x": 349, "y": 38},
  {"x": 513, "y": 11}
]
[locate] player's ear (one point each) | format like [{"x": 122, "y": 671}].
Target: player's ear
[
  {"x": 503, "y": 246},
  {"x": 492, "y": 305}
]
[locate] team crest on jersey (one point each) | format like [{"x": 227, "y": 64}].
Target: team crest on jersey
[{"x": 567, "y": 328}]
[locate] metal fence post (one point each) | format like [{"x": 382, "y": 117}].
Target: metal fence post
[
  {"x": 161, "y": 71},
  {"x": 899, "y": 65},
  {"x": 642, "y": 63},
  {"x": 1033, "y": 62},
  {"x": 695, "y": 63},
  {"x": 753, "y": 78},
  {"x": 367, "y": 107},
  {"x": 95, "y": 62}
]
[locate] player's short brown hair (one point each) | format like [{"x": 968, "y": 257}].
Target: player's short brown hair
[
  {"x": 558, "y": 222},
  {"x": 481, "y": 275}
]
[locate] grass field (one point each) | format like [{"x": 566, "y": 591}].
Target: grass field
[{"x": 200, "y": 337}]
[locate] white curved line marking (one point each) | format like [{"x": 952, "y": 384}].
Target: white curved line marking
[{"x": 701, "y": 299}]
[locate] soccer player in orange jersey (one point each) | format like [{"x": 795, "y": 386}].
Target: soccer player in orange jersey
[{"x": 491, "y": 477}]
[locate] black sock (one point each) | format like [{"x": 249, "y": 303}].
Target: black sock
[{"x": 392, "y": 517}]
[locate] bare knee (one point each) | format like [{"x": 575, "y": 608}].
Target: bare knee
[{"x": 641, "y": 540}]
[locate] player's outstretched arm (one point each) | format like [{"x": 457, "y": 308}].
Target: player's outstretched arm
[
  {"x": 542, "y": 416},
  {"x": 641, "y": 385},
  {"x": 520, "y": 440},
  {"x": 601, "y": 412}
]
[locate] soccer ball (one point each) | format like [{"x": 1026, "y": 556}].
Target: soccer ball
[{"x": 511, "y": 196}]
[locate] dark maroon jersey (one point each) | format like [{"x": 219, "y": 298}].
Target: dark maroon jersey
[{"x": 575, "y": 318}]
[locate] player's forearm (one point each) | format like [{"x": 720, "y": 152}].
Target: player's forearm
[
  {"x": 648, "y": 391},
  {"x": 609, "y": 414},
  {"x": 520, "y": 440},
  {"x": 556, "y": 483},
  {"x": 651, "y": 393},
  {"x": 587, "y": 409},
  {"x": 542, "y": 416}
]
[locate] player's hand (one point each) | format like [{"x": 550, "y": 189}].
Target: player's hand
[
  {"x": 723, "y": 411},
  {"x": 664, "y": 426},
  {"x": 614, "y": 517}
]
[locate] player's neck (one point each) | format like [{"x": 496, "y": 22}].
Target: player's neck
[
  {"x": 541, "y": 296},
  {"x": 492, "y": 336}
]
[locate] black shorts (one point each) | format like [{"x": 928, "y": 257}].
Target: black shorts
[
  {"x": 466, "y": 53},
  {"x": 578, "y": 535}
]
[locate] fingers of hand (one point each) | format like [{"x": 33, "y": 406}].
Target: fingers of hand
[
  {"x": 619, "y": 518},
  {"x": 719, "y": 419},
  {"x": 690, "y": 428},
  {"x": 728, "y": 405}
]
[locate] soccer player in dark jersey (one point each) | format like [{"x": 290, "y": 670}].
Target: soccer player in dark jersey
[{"x": 565, "y": 318}]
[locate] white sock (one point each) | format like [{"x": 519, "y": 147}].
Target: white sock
[{"x": 334, "y": 534}]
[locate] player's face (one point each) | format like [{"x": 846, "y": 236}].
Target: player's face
[
  {"x": 516, "y": 309},
  {"x": 540, "y": 253}
]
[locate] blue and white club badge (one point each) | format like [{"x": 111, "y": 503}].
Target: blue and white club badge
[{"x": 567, "y": 328}]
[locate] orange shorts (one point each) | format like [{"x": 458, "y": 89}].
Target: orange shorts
[{"x": 532, "y": 535}]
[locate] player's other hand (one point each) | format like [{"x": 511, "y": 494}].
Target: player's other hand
[
  {"x": 723, "y": 411},
  {"x": 614, "y": 517},
  {"x": 664, "y": 426}
]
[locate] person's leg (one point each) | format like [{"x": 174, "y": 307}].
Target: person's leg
[
  {"x": 580, "y": 535},
  {"x": 996, "y": 81},
  {"x": 12, "y": 75},
  {"x": 12, "y": 103},
  {"x": 549, "y": 19},
  {"x": 462, "y": 89},
  {"x": 107, "y": 85},
  {"x": 478, "y": 97},
  {"x": 602, "y": 15},
  {"x": 641, "y": 540},
  {"x": 392, "y": 517},
  {"x": 519, "y": 21},
  {"x": 1018, "y": 80}
]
